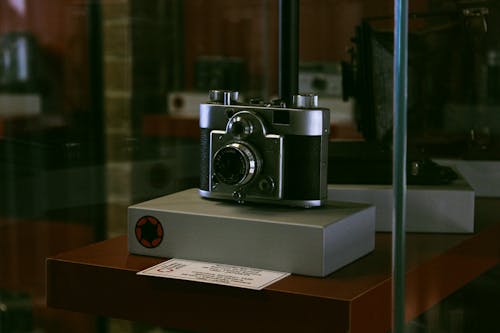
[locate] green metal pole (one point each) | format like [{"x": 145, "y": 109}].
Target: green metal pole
[{"x": 399, "y": 162}]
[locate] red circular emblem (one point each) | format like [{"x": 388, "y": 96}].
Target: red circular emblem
[{"x": 149, "y": 232}]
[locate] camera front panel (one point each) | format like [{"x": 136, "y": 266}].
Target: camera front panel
[{"x": 246, "y": 170}]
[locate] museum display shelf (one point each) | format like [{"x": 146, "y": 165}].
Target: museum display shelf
[
  {"x": 24, "y": 245},
  {"x": 16, "y": 125},
  {"x": 163, "y": 125},
  {"x": 101, "y": 279}
]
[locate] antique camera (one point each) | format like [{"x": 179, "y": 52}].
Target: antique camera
[
  {"x": 450, "y": 74},
  {"x": 447, "y": 53},
  {"x": 269, "y": 153}
]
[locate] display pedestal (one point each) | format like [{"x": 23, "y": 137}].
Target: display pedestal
[
  {"x": 440, "y": 208},
  {"x": 315, "y": 241}
]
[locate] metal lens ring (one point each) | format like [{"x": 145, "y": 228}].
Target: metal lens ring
[{"x": 235, "y": 164}]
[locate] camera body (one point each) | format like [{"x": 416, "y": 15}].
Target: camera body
[{"x": 260, "y": 152}]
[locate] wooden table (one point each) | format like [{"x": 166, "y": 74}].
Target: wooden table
[{"x": 101, "y": 279}]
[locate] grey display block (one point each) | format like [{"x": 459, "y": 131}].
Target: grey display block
[
  {"x": 437, "y": 209},
  {"x": 314, "y": 241}
]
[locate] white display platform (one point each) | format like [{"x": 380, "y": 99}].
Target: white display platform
[
  {"x": 315, "y": 241},
  {"x": 20, "y": 104},
  {"x": 483, "y": 176},
  {"x": 439, "y": 209}
]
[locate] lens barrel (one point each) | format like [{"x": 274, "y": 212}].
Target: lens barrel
[{"x": 235, "y": 164}]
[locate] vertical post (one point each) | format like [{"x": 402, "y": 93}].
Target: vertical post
[
  {"x": 399, "y": 162},
  {"x": 96, "y": 95},
  {"x": 288, "y": 74}
]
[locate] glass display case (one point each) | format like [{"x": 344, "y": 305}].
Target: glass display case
[{"x": 99, "y": 110}]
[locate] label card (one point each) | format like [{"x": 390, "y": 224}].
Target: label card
[{"x": 227, "y": 275}]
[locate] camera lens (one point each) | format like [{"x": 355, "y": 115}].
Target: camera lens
[{"x": 235, "y": 164}]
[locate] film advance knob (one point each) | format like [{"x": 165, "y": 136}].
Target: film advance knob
[{"x": 306, "y": 101}]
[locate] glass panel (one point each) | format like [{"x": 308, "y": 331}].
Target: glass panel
[
  {"x": 99, "y": 109},
  {"x": 51, "y": 153}
]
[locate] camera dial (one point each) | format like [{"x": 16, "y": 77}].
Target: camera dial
[
  {"x": 226, "y": 97},
  {"x": 235, "y": 164},
  {"x": 305, "y": 101}
]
